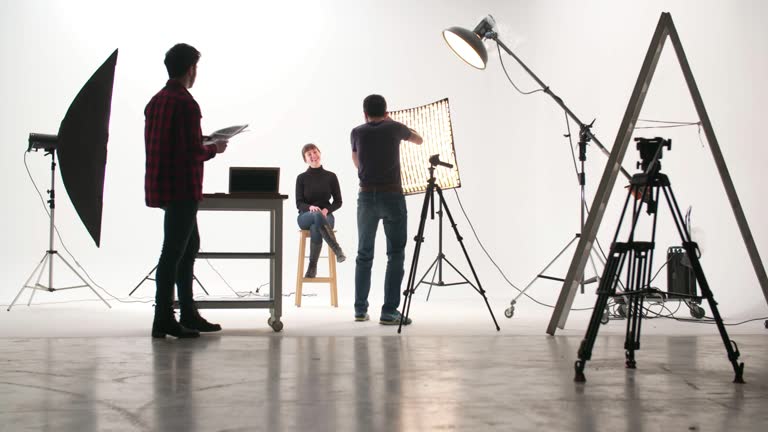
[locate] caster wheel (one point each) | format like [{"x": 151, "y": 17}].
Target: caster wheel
[
  {"x": 276, "y": 325},
  {"x": 606, "y": 316},
  {"x": 509, "y": 312},
  {"x": 697, "y": 311}
]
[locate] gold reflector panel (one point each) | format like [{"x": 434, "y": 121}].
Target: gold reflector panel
[{"x": 433, "y": 123}]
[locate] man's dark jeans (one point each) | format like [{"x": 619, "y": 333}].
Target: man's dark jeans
[
  {"x": 177, "y": 260},
  {"x": 389, "y": 207}
]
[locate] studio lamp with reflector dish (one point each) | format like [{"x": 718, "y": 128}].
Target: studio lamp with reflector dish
[{"x": 469, "y": 46}]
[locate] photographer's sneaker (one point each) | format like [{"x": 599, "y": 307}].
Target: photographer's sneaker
[
  {"x": 393, "y": 319},
  {"x": 362, "y": 317}
]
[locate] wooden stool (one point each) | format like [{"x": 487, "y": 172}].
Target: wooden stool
[{"x": 300, "y": 279}]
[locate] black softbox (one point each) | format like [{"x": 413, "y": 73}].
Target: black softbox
[{"x": 82, "y": 146}]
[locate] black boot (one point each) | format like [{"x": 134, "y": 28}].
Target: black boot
[
  {"x": 191, "y": 319},
  {"x": 314, "y": 255},
  {"x": 327, "y": 232},
  {"x": 165, "y": 324}
]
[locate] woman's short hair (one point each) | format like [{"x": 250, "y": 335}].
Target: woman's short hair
[{"x": 306, "y": 148}]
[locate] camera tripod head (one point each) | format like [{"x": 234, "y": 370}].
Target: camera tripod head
[
  {"x": 434, "y": 161},
  {"x": 651, "y": 151}
]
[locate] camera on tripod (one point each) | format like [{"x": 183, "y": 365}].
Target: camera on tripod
[
  {"x": 436, "y": 268},
  {"x": 651, "y": 152},
  {"x": 434, "y": 161},
  {"x": 630, "y": 265}
]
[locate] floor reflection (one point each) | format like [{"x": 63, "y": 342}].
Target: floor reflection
[
  {"x": 377, "y": 383},
  {"x": 176, "y": 365}
]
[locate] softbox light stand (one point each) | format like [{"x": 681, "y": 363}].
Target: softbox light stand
[
  {"x": 81, "y": 149},
  {"x": 51, "y": 253}
]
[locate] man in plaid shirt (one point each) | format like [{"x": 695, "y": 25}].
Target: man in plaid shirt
[{"x": 174, "y": 182}]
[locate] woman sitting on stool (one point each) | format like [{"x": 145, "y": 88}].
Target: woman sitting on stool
[{"x": 314, "y": 189}]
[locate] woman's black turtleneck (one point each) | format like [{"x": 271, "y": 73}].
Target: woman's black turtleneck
[{"x": 316, "y": 186}]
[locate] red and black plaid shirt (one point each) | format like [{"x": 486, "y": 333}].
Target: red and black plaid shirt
[{"x": 174, "y": 145}]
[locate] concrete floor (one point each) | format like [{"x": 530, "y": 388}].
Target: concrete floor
[{"x": 246, "y": 380}]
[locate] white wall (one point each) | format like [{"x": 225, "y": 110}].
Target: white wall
[{"x": 298, "y": 71}]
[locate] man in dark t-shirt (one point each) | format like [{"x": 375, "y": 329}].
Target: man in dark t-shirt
[{"x": 376, "y": 155}]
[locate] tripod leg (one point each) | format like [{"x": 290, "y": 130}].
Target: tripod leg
[
  {"x": 730, "y": 346},
  {"x": 26, "y": 284},
  {"x": 605, "y": 290},
  {"x": 410, "y": 288},
  {"x": 634, "y": 304},
  {"x": 200, "y": 283},
  {"x": 432, "y": 281},
  {"x": 539, "y": 274},
  {"x": 432, "y": 268},
  {"x": 84, "y": 281},
  {"x": 691, "y": 249},
  {"x": 32, "y": 296},
  {"x": 594, "y": 267},
  {"x": 632, "y": 339},
  {"x": 466, "y": 280},
  {"x": 466, "y": 255},
  {"x": 46, "y": 261},
  {"x": 142, "y": 281},
  {"x": 437, "y": 263},
  {"x": 419, "y": 239}
]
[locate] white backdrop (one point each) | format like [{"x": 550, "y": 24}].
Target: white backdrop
[{"x": 297, "y": 72}]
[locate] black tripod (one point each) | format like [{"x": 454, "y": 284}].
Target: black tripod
[
  {"x": 149, "y": 277},
  {"x": 429, "y": 203},
  {"x": 638, "y": 256},
  {"x": 437, "y": 265}
]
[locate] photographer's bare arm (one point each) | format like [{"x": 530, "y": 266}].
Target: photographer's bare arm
[{"x": 415, "y": 137}]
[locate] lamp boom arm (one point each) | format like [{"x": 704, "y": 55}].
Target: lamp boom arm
[{"x": 545, "y": 88}]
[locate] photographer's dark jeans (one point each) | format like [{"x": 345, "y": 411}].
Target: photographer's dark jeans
[
  {"x": 389, "y": 207},
  {"x": 312, "y": 221},
  {"x": 181, "y": 242}
]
